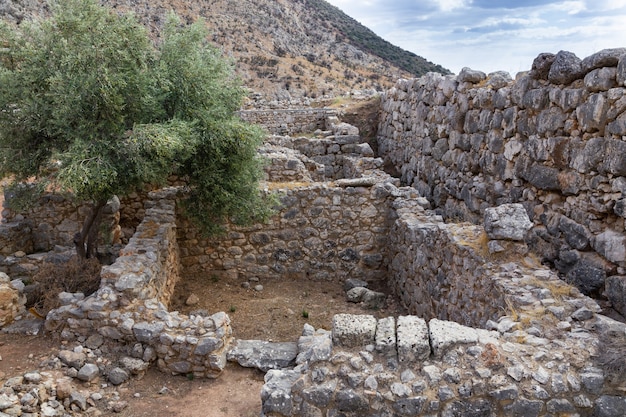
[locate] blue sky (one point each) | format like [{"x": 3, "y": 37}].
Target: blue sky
[{"x": 490, "y": 35}]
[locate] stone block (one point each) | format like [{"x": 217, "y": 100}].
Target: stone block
[
  {"x": 611, "y": 245},
  {"x": 353, "y": 330},
  {"x": 263, "y": 355},
  {"x": 507, "y": 222},
  {"x": 615, "y": 291},
  {"x": 446, "y": 334},
  {"x": 412, "y": 340},
  {"x": 386, "y": 337}
]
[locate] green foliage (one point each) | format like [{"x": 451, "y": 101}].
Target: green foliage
[
  {"x": 365, "y": 39},
  {"x": 88, "y": 102}
]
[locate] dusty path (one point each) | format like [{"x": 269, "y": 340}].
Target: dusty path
[{"x": 236, "y": 393}]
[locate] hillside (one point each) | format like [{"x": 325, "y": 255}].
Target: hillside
[{"x": 283, "y": 49}]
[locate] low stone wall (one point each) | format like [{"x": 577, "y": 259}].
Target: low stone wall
[
  {"x": 131, "y": 305},
  {"x": 553, "y": 140},
  {"x": 332, "y": 153},
  {"x": 412, "y": 367},
  {"x": 52, "y": 221},
  {"x": 289, "y": 122}
]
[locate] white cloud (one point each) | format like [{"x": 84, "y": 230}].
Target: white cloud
[
  {"x": 493, "y": 35},
  {"x": 449, "y": 5}
]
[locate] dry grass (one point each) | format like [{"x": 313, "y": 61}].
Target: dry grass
[
  {"x": 291, "y": 185},
  {"x": 472, "y": 237},
  {"x": 558, "y": 289},
  {"x": 75, "y": 275}
]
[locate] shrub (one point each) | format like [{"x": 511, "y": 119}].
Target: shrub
[{"x": 75, "y": 275}]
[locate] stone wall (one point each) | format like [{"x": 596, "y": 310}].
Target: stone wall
[
  {"x": 12, "y": 300},
  {"x": 535, "y": 353},
  {"x": 289, "y": 122},
  {"x": 130, "y": 307},
  {"x": 412, "y": 367},
  {"x": 553, "y": 140},
  {"x": 52, "y": 221},
  {"x": 322, "y": 231}
]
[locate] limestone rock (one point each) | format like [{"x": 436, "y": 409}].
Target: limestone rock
[
  {"x": 601, "y": 79},
  {"x": 541, "y": 66},
  {"x": 192, "y": 300},
  {"x": 88, "y": 372},
  {"x": 354, "y": 282},
  {"x": 118, "y": 376},
  {"x": 621, "y": 71},
  {"x": 604, "y": 58},
  {"x": 611, "y": 245},
  {"x": 565, "y": 69},
  {"x": 616, "y": 292},
  {"x": 276, "y": 392},
  {"x": 507, "y": 222},
  {"x": 353, "y": 330},
  {"x": 609, "y": 406},
  {"x": 263, "y": 355},
  {"x": 413, "y": 342},
  {"x": 471, "y": 76}
]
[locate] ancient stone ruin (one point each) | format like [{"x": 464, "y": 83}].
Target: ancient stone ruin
[{"x": 496, "y": 178}]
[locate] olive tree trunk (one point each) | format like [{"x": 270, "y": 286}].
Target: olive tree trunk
[{"x": 86, "y": 241}]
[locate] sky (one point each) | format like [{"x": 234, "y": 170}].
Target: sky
[{"x": 492, "y": 35}]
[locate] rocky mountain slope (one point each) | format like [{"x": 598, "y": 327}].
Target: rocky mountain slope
[{"x": 284, "y": 49}]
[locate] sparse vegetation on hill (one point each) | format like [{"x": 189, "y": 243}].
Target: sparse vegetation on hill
[
  {"x": 368, "y": 41},
  {"x": 283, "y": 49}
]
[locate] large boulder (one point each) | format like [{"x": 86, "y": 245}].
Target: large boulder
[
  {"x": 565, "y": 69},
  {"x": 507, "y": 222}
]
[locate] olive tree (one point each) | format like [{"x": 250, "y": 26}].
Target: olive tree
[{"x": 90, "y": 105}]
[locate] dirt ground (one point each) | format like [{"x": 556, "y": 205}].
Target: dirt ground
[{"x": 276, "y": 313}]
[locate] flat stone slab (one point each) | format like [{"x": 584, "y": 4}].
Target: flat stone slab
[
  {"x": 263, "y": 355},
  {"x": 350, "y": 330},
  {"x": 446, "y": 334},
  {"x": 413, "y": 341},
  {"x": 25, "y": 326}
]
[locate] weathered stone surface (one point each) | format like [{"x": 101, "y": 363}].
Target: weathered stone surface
[
  {"x": 565, "y": 69},
  {"x": 471, "y": 76},
  {"x": 616, "y": 292},
  {"x": 73, "y": 359},
  {"x": 412, "y": 339},
  {"x": 621, "y": 70},
  {"x": 314, "y": 347},
  {"x": 611, "y": 245},
  {"x": 276, "y": 392},
  {"x": 385, "y": 337},
  {"x": 263, "y": 355},
  {"x": 118, "y": 376},
  {"x": 446, "y": 334},
  {"x": 88, "y": 372},
  {"x": 541, "y": 66},
  {"x": 508, "y": 222},
  {"x": 575, "y": 234},
  {"x": 601, "y": 79},
  {"x": 351, "y": 331},
  {"x": 604, "y": 58},
  {"x": 609, "y": 406}
]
